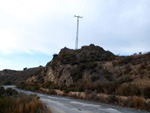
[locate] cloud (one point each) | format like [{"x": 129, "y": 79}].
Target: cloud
[
  {"x": 120, "y": 24},
  {"x": 45, "y": 26}
]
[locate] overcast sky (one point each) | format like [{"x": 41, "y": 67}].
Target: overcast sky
[{"x": 31, "y": 31}]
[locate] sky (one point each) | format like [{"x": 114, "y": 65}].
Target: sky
[{"x": 31, "y": 31}]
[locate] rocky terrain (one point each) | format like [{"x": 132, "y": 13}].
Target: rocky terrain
[
  {"x": 91, "y": 70},
  {"x": 8, "y": 76},
  {"x": 93, "y": 64}
]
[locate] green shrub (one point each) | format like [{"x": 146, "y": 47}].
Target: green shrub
[
  {"x": 7, "y": 83},
  {"x": 53, "y": 64},
  {"x": 21, "y": 85},
  {"x": 46, "y": 84},
  {"x": 145, "y": 92},
  {"x": 124, "y": 79},
  {"x": 10, "y": 91},
  {"x": 128, "y": 90},
  {"x": 68, "y": 58},
  {"x": 92, "y": 96},
  {"x": 141, "y": 75},
  {"x": 125, "y": 60},
  {"x": 111, "y": 98},
  {"x": 52, "y": 92},
  {"x": 83, "y": 58},
  {"x": 107, "y": 74},
  {"x": 64, "y": 88},
  {"x": 127, "y": 69},
  {"x": 94, "y": 78},
  {"x": 76, "y": 74},
  {"x": 99, "y": 87},
  {"x": 81, "y": 67},
  {"x": 55, "y": 56},
  {"x": 11, "y": 102},
  {"x": 2, "y": 91},
  {"x": 34, "y": 87},
  {"x": 91, "y": 65},
  {"x": 6, "y": 104},
  {"x": 140, "y": 71}
]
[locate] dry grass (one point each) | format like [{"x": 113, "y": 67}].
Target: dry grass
[
  {"x": 29, "y": 105},
  {"x": 138, "y": 102}
]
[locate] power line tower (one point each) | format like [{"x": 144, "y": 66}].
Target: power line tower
[{"x": 77, "y": 32}]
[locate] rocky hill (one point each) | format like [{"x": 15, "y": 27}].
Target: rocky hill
[
  {"x": 94, "y": 64},
  {"x": 90, "y": 73},
  {"x": 89, "y": 68},
  {"x": 69, "y": 66}
]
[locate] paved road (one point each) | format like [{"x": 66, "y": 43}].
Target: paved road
[{"x": 59, "y": 104}]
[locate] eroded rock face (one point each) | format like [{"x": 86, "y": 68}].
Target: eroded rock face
[
  {"x": 32, "y": 79},
  {"x": 60, "y": 76},
  {"x": 71, "y": 65},
  {"x": 50, "y": 75},
  {"x": 65, "y": 77}
]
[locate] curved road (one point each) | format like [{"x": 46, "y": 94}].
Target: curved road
[{"x": 59, "y": 104}]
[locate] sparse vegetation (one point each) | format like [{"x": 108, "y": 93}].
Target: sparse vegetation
[
  {"x": 94, "y": 78},
  {"x": 90, "y": 69},
  {"x": 107, "y": 74},
  {"x": 12, "y": 102}
]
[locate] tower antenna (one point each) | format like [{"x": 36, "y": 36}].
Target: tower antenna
[{"x": 77, "y": 32}]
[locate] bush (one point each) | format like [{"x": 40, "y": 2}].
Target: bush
[
  {"x": 21, "y": 85},
  {"x": 145, "y": 92},
  {"x": 124, "y": 79},
  {"x": 7, "y": 83},
  {"x": 125, "y": 60},
  {"x": 99, "y": 87},
  {"x": 111, "y": 99},
  {"x": 128, "y": 90},
  {"x": 68, "y": 58},
  {"x": 91, "y": 96},
  {"x": 107, "y": 74},
  {"x": 94, "y": 78},
  {"x": 2, "y": 91},
  {"x": 28, "y": 104},
  {"x": 54, "y": 56},
  {"x": 127, "y": 69},
  {"x": 32, "y": 87},
  {"x": 91, "y": 65},
  {"x": 83, "y": 58},
  {"x": 140, "y": 71},
  {"x": 11, "y": 102},
  {"x": 64, "y": 88},
  {"x": 6, "y": 104},
  {"x": 138, "y": 102},
  {"x": 10, "y": 92},
  {"x": 76, "y": 74},
  {"x": 52, "y": 92}
]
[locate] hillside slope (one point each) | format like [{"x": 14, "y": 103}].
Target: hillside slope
[
  {"x": 90, "y": 73},
  {"x": 90, "y": 68},
  {"x": 8, "y": 76},
  {"x": 94, "y": 64}
]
